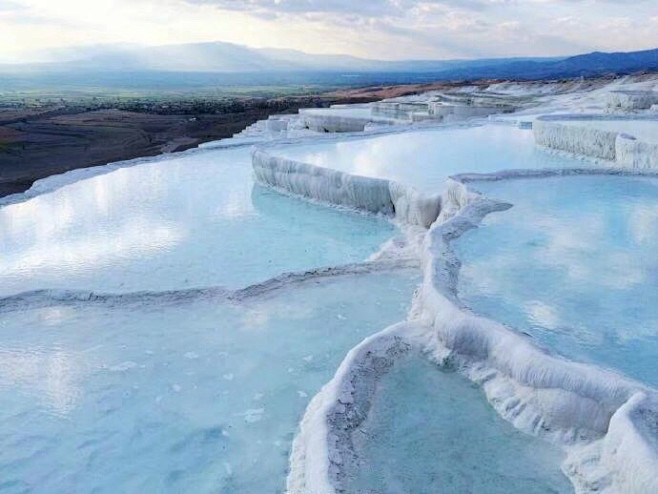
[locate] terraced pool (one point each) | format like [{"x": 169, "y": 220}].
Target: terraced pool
[
  {"x": 432, "y": 431},
  {"x": 148, "y": 384},
  {"x": 184, "y": 396},
  {"x": 424, "y": 159},
  {"x": 191, "y": 221},
  {"x": 574, "y": 264}
]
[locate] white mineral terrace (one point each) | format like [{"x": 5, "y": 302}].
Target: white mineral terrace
[
  {"x": 627, "y": 141},
  {"x": 348, "y": 118},
  {"x": 444, "y": 108},
  {"x": 373, "y": 171},
  {"x": 605, "y": 422},
  {"x": 424, "y": 179},
  {"x": 631, "y": 100}
]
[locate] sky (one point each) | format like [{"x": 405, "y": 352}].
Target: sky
[{"x": 36, "y": 30}]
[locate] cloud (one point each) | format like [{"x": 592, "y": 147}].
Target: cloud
[
  {"x": 369, "y": 8},
  {"x": 9, "y": 6},
  {"x": 382, "y": 29}
]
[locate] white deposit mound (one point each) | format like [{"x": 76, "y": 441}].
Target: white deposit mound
[
  {"x": 629, "y": 142},
  {"x": 590, "y": 412},
  {"x": 379, "y": 196},
  {"x": 606, "y": 423}
]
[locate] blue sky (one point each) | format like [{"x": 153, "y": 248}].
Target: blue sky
[{"x": 382, "y": 29}]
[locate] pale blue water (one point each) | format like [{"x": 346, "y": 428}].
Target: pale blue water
[
  {"x": 182, "y": 397},
  {"x": 574, "y": 263},
  {"x": 195, "y": 220},
  {"x": 430, "y": 431},
  {"x": 424, "y": 159}
]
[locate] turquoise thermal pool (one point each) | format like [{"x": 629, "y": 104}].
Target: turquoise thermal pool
[
  {"x": 573, "y": 263},
  {"x": 190, "y": 221},
  {"x": 425, "y": 159},
  {"x": 433, "y": 431},
  {"x": 200, "y": 396}
]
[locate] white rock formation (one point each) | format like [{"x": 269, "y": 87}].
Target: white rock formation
[
  {"x": 334, "y": 123},
  {"x": 618, "y": 146},
  {"x": 587, "y": 141},
  {"x": 375, "y": 195},
  {"x": 628, "y": 100},
  {"x": 633, "y": 153},
  {"x": 607, "y": 423},
  {"x": 455, "y": 112},
  {"x": 323, "y": 184}
]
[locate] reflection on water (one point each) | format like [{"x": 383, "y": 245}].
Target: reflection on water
[
  {"x": 188, "y": 397},
  {"x": 184, "y": 222},
  {"x": 574, "y": 263},
  {"x": 425, "y": 159},
  {"x": 433, "y": 431}
]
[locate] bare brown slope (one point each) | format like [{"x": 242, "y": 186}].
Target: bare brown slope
[{"x": 36, "y": 143}]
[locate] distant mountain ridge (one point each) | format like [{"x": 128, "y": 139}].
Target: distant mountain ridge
[
  {"x": 231, "y": 59},
  {"x": 587, "y": 65}
]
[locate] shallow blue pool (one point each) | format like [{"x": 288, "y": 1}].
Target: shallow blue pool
[
  {"x": 201, "y": 396},
  {"x": 430, "y": 431},
  {"x": 424, "y": 159},
  {"x": 176, "y": 222},
  {"x": 574, "y": 263}
]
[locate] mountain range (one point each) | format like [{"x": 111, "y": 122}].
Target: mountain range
[{"x": 209, "y": 61}]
